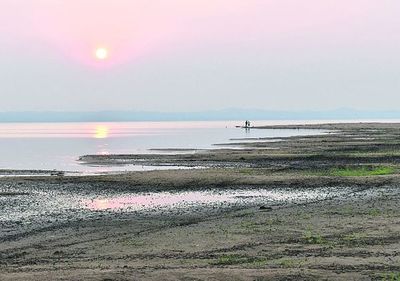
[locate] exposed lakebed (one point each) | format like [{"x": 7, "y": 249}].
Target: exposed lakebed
[{"x": 27, "y": 204}]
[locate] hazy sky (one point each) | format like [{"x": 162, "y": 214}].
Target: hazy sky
[{"x": 188, "y": 55}]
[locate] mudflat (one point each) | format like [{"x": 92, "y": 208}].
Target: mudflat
[{"x": 337, "y": 218}]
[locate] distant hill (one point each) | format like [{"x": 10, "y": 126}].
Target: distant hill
[{"x": 226, "y": 114}]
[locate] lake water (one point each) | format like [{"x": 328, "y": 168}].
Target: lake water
[{"x": 49, "y": 146}]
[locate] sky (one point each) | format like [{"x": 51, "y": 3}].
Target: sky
[{"x": 180, "y": 55}]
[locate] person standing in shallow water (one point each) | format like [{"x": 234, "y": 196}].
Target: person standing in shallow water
[{"x": 247, "y": 124}]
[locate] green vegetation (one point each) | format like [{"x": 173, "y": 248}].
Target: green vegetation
[
  {"x": 287, "y": 263},
  {"x": 355, "y": 238},
  {"x": 249, "y": 225},
  {"x": 313, "y": 238},
  {"x": 259, "y": 227},
  {"x": 361, "y": 171},
  {"x": 393, "y": 276},
  {"x": 247, "y": 171},
  {"x": 129, "y": 241},
  {"x": 372, "y": 153},
  {"x": 237, "y": 259},
  {"x": 374, "y": 212},
  {"x": 347, "y": 211}
]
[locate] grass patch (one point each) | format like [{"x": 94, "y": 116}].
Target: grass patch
[
  {"x": 287, "y": 263},
  {"x": 374, "y": 212},
  {"x": 253, "y": 171},
  {"x": 258, "y": 227},
  {"x": 247, "y": 171},
  {"x": 310, "y": 237},
  {"x": 393, "y": 276},
  {"x": 237, "y": 259},
  {"x": 355, "y": 238},
  {"x": 290, "y": 263},
  {"x": 361, "y": 171},
  {"x": 249, "y": 225}
]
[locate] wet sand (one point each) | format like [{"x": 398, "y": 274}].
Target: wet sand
[{"x": 52, "y": 228}]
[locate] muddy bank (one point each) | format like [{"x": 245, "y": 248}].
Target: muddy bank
[
  {"x": 30, "y": 206},
  {"x": 354, "y": 236}
]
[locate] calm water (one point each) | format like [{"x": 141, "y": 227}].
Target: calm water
[{"x": 48, "y": 146}]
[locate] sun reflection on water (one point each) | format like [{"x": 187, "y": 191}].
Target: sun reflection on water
[
  {"x": 181, "y": 200},
  {"x": 101, "y": 204},
  {"x": 101, "y": 132}
]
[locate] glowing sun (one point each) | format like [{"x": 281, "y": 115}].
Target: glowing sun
[{"x": 101, "y": 53}]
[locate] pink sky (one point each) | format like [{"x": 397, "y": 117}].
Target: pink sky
[
  {"x": 171, "y": 55},
  {"x": 131, "y": 29}
]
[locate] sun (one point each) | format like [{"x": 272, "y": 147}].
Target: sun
[{"x": 101, "y": 53}]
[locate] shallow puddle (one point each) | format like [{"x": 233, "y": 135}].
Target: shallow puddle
[
  {"x": 209, "y": 198},
  {"x": 28, "y": 205}
]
